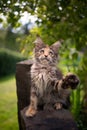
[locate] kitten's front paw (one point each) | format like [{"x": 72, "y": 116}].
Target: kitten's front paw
[
  {"x": 58, "y": 106},
  {"x": 30, "y": 112},
  {"x": 70, "y": 80}
]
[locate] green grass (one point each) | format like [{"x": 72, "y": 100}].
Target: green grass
[{"x": 8, "y": 104}]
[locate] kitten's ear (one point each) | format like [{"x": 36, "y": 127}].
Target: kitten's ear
[
  {"x": 56, "y": 46},
  {"x": 39, "y": 43}
]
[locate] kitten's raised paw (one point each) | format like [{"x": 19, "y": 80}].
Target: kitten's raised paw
[
  {"x": 30, "y": 112},
  {"x": 58, "y": 106},
  {"x": 70, "y": 80}
]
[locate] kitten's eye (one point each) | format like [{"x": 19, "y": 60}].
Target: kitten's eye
[
  {"x": 51, "y": 53},
  {"x": 41, "y": 51}
]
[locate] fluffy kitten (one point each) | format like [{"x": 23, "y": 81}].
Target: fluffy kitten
[{"x": 48, "y": 86}]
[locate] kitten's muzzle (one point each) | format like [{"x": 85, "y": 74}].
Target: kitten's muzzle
[{"x": 46, "y": 56}]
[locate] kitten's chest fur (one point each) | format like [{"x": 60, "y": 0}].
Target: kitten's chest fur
[{"x": 42, "y": 76}]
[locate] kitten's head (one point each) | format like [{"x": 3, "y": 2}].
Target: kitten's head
[{"x": 46, "y": 54}]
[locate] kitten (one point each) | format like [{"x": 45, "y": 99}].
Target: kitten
[{"x": 48, "y": 86}]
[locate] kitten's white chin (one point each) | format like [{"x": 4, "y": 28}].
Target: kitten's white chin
[{"x": 45, "y": 62}]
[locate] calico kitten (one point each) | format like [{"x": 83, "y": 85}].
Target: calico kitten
[{"x": 48, "y": 86}]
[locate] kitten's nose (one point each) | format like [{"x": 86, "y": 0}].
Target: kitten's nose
[{"x": 45, "y": 56}]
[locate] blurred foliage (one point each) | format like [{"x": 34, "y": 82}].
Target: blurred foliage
[
  {"x": 8, "y": 60},
  {"x": 59, "y": 18},
  {"x": 8, "y": 39}
]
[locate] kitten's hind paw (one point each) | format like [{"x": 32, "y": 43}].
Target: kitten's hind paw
[
  {"x": 58, "y": 106},
  {"x": 30, "y": 112},
  {"x": 70, "y": 80}
]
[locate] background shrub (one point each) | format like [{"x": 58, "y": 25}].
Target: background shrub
[{"x": 8, "y": 60}]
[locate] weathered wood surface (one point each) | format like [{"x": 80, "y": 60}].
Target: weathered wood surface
[
  {"x": 23, "y": 83},
  {"x": 55, "y": 120},
  {"x": 49, "y": 120}
]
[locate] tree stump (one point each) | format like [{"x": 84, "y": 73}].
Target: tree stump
[
  {"x": 23, "y": 83},
  {"x": 44, "y": 120},
  {"x": 49, "y": 120}
]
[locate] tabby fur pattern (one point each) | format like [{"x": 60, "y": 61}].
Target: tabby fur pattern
[{"x": 49, "y": 88}]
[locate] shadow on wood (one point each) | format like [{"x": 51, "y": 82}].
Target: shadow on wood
[{"x": 44, "y": 120}]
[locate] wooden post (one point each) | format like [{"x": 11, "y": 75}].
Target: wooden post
[
  {"x": 23, "y": 86},
  {"x": 44, "y": 120}
]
